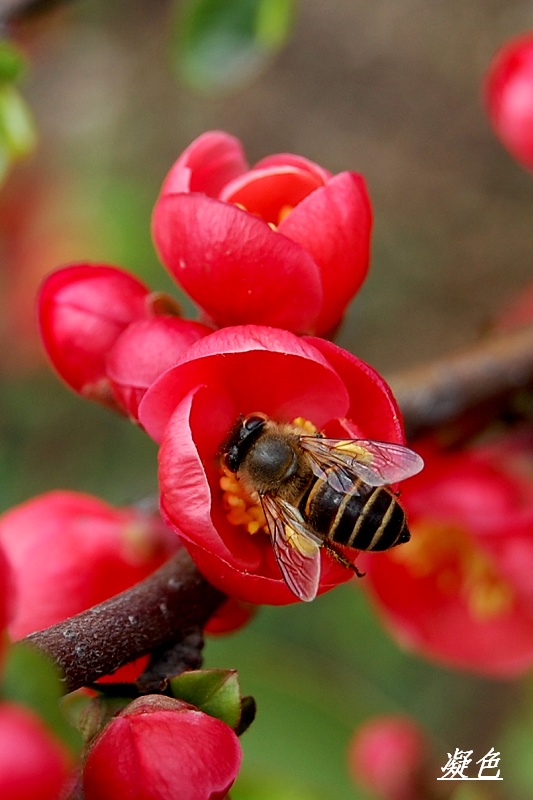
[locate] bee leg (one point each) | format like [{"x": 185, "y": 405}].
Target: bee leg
[{"x": 339, "y": 556}]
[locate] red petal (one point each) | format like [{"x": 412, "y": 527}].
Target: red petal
[
  {"x": 270, "y": 193},
  {"x": 373, "y": 408},
  {"x": 33, "y": 764},
  {"x": 211, "y": 161},
  {"x": 83, "y": 309},
  {"x": 509, "y": 97},
  {"x": 144, "y": 351},
  {"x": 299, "y": 162},
  {"x": 234, "y": 266},
  {"x": 262, "y": 368},
  {"x": 333, "y": 225}
]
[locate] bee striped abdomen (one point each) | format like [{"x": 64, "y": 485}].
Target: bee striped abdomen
[{"x": 367, "y": 518}]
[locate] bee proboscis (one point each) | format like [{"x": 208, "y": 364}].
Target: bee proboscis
[{"x": 318, "y": 492}]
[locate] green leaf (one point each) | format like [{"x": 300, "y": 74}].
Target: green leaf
[
  {"x": 32, "y": 680},
  {"x": 216, "y": 692},
  {"x": 12, "y": 62},
  {"x": 223, "y": 44},
  {"x": 17, "y": 131}
]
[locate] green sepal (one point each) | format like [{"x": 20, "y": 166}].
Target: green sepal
[
  {"x": 91, "y": 714},
  {"x": 32, "y": 680},
  {"x": 222, "y": 46},
  {"x": 215, "y": 692}
]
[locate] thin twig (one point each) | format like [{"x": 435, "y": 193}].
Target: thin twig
[{"x": 442, "y": 390}]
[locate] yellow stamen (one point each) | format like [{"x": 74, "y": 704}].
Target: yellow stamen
[
  {"x": 241, "y": 509},
  {"x": 448, "y": 554},
  {"x": 284, "y": 212},
  {"x": 305, "y": 426}
]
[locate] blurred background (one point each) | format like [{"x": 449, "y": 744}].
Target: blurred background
[{"x": 386, "y": 88}]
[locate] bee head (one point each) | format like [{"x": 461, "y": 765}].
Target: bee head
[{"x": 243, "y": 435}]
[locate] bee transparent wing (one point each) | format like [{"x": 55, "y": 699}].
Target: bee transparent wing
[
  {"x": 338, "y": 461},
  {"x": 297, "y": 549}
]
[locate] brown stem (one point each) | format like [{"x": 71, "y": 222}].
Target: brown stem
[
  {"x": 439, "y": 392},
  {"x": 152, "y": 614}
]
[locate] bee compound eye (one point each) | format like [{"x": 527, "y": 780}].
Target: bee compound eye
[{"x": 253, "y": 422}]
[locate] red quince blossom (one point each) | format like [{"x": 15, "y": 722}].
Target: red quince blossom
[
  {"x": 107, "y": 335},
  {"x": 284, "y": 243},
  {"x": 159, "y": 748},
  {"x": 387, "y": 756},
  {"x": 193, "y": 406},
  {"x": 33, "y": 764},
  {"x": 69, "y": 551},
  {"x": 461, "y": 592},
  {"x": 509, "y": 97}
]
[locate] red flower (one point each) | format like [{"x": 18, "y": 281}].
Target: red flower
[
  {"x": 107, "y": 336},
  {"x": 387, "y": 756},
  {"x": 70, "y": 551},
  {"x": 192, "y": 407},
  {"x": 160, "y": 748},
  {"x": 284, "y": 243},
  {"x": 461, "y": 591},
  {"x": 509, "y": 97},
  {"x": 32, "y": 762}
]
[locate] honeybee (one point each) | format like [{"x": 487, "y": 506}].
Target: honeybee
[{"x": 317, "y": 492}]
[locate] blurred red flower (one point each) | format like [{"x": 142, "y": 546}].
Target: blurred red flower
[
  {"x": 159, "y": 748},
  {"x": 193, "y": 406},
  {"x": 461, "y": 591},
  {"x": 69, "y": 551},
  {"x": 283, "y": 243},
  {"x": 388, "y": 755},
  {"x": 33, "y": 764},
  {"x": 509, "y": 97}
]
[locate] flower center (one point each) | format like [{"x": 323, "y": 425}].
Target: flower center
[
  {"x": 243, "y": 508},
  {"x": 447, "y": 553}
]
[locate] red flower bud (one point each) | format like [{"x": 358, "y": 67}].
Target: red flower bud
[
  {"x": 144, "y": 351},
  {"x": 69, "y": 551},
  {"x": 159, "y": 748},
  {"x": 33, "y": 764},
  {"x": 192, "y": 408},
  {"x": 509, "y": 97},
  {"x": 387, "y": 756},
  {"x": 83, "y": 309},
  {"x": 460, "y": 592},
  {"x": 284, "y": 243}
]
